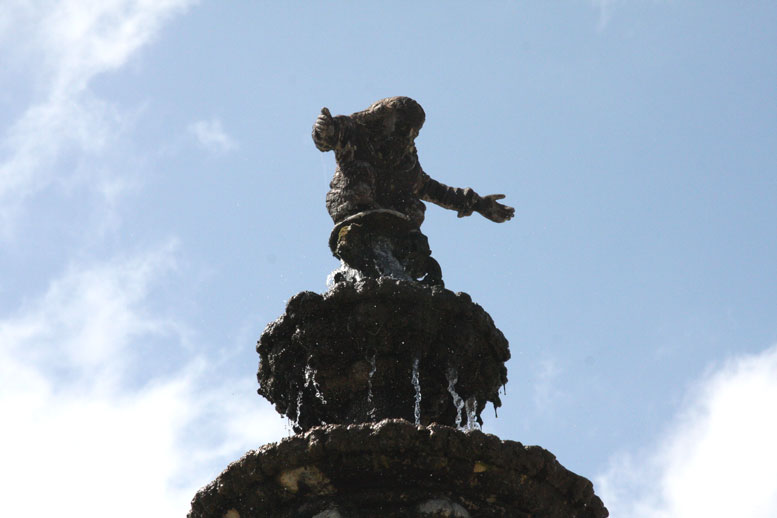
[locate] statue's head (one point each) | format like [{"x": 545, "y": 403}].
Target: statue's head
[{"x": 396, "y": 116}]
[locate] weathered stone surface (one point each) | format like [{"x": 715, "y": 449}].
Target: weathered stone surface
[
  {"x": 348, "y": 356},
  {"x": 396, "y": 469}
]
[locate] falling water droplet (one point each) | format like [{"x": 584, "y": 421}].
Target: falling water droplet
[
  {"x": 453, "y": 377},
  {"x": 417, "y": 386}
]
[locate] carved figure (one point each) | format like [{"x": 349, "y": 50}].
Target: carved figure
[{"x": 375, "y": 197}]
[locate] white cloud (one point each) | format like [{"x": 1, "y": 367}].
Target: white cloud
[
  {"x": 719, "y": 459},
  {"x": 88, "y": 37},
  {"x": 212, "y": 136},
  {"x": 81, "y": 435},
  {"x": 70, "y": 42},
  {"x": 79, "y": 311},
  {"x": 109, "y": 405}
]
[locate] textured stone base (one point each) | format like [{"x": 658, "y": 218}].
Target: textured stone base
[
  {"x": 396, "y": 469},
  {"x": 364, "y": 352}
]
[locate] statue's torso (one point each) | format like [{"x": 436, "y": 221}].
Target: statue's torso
[{"x": 376, "y": 174}]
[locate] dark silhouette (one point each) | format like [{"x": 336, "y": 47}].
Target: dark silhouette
[{"x": 376, "y": 194}]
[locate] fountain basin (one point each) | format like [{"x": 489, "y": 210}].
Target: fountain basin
[{"x": 382, "y": 348}]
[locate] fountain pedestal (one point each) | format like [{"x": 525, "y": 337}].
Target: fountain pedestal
[
  {"x": 404, "y": 371},
  {"x": 384, "y": 377}
]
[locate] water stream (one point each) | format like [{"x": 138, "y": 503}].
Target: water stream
[
  {"x": 299, "y": 408},
  {"x": 343, "y": 273},
  {"x": 417, "y": 386},
  {"x": 310, "y": 379},
  {"x": 373, "y": 369},
  {"x": 453, "y": 377},
  {"x": 472, "y": 413},
  {"x": 385, "y": 261}
]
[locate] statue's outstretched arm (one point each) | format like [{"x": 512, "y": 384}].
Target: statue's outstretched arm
[{"x": 464, "y": 201}]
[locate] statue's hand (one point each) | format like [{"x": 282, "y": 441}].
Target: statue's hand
[
  {"x": 324, "y": 131},
  {"x": 493, "y": 210}
]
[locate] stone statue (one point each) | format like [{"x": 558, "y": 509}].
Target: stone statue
[{"x": 376, "y": 194}]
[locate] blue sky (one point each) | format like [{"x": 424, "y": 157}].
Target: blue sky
[{"x": 161, "y": 199}]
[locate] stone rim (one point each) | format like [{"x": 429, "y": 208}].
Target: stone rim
[{"x": 342, "y": 466}]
